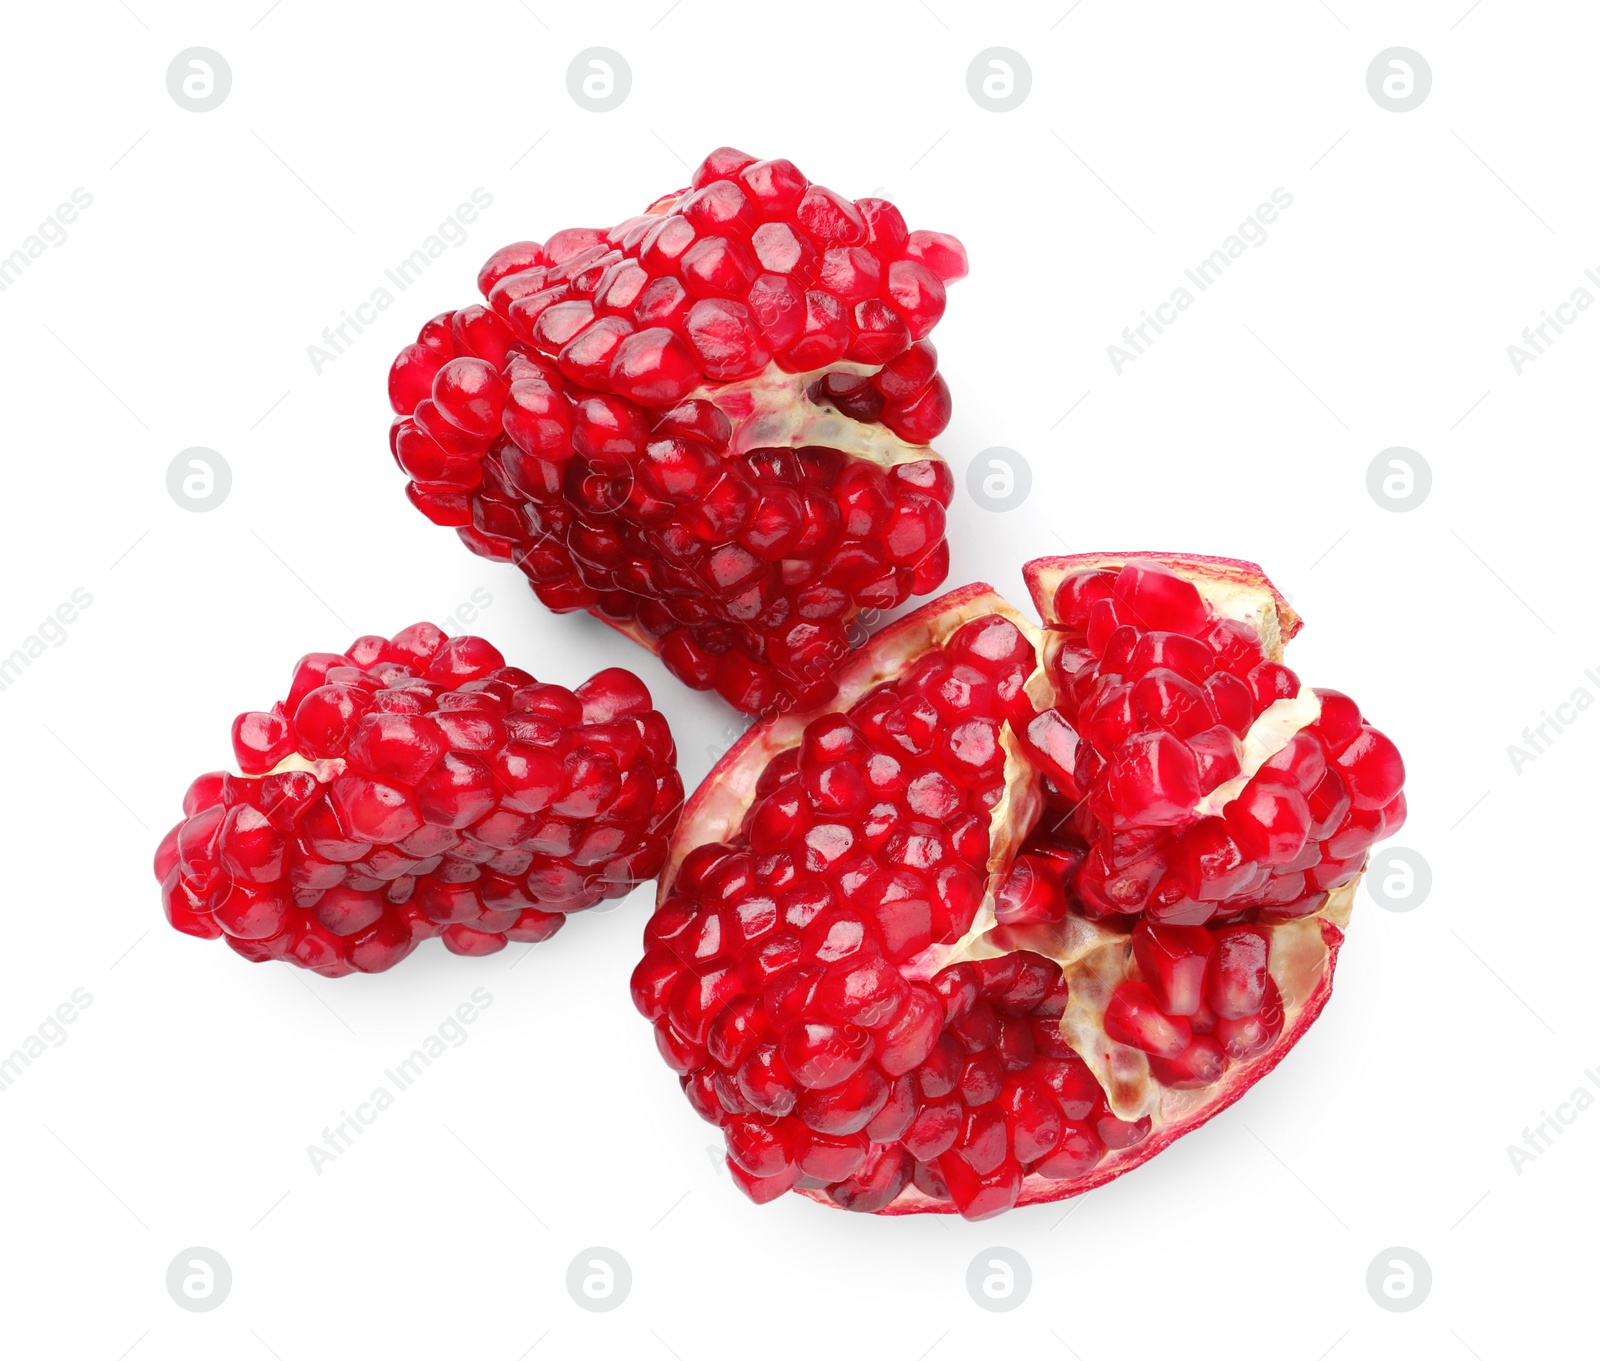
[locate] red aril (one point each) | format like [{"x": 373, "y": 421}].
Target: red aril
[
  {"x": 707, "y": 426},
  {"x": 1017, "y": 907},
  {"x": 417, "y": 786}
]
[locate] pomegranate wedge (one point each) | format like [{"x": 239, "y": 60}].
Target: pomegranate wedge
[
  {"x": 707, "y": 425},
  {"x": 1017, "y": 907}
]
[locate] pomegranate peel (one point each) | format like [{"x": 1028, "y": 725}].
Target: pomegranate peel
[{"x": 1016, "y": 907}]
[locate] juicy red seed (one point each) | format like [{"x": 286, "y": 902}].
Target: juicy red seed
[
  {"x": 846, "y": 1108},
  {"x": 1172, "y": 960},
  {"x": 1269, "y": 821},
  {"x": 917, "y": 294},
  {"x": 512, "y": 259},
  {"x": 1078, "y": 591},
  {"x": 1371, "y": 769},
  {"x": 1201, "y": 1064},
  {"x": 1155, "y": 781},
  {"x": 1134, "y": 1017},
  {"x": 761, "y": 1149},
  {"x": 779, "y": 248},
  {"x": 1237, "y": 978},
  {"x": 653, "y": 367},
  {"x": 726, "y": 339},
  {"x": 942, "y": 253},
  {"x": 722, "y": 164},
  {"x": 1032, "y": 894},
  {"x": 1156, "y": 597},
  {"x": 824, "y": 1055},
  {"x": 1245, "y": 1037}
]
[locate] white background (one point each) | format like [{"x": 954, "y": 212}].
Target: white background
[{"x": 178, "y": 312}]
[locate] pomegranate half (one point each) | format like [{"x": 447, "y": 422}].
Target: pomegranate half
[{"x": 1017, "y": 907}]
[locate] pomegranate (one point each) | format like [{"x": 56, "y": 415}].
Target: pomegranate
[
  {"x": 418, "y": 786},
  {"x": 1016, "y": 907},
  {"x": 708, "y": 425}
]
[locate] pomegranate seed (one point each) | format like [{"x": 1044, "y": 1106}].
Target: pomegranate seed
[
  {"x": 1134, "y": 1017},
  {"x": 1237, "y": 980},
  {"x": 1246, "y": 1037},
  {"x": 1172, "y": 960},
  {"x": 1371, "y": 769},
  {"x": 1033, "y": 893}
]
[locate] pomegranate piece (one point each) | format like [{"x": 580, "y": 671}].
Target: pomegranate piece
[
  {"x": 417, "y": 786},
  {"x": 707, "y": 426},
  {"x": 1015, "y": 908},
  {"x": 1212, "y": 785}
]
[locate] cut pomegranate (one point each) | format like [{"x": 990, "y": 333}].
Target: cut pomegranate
[
  {"x": 707, "y": 426},
  {"x": 1016, "y": 908},
  {"x": 418, "y": 786}
]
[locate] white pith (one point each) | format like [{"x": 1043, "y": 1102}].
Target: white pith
[
  {"x": 1094, "y": 959},
  {"x": 326, "y": 771},
  {"x": 1277, "y": 724},
  {"x": 773, "y": 410},
  {"x": 1264, "y": 739}
]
